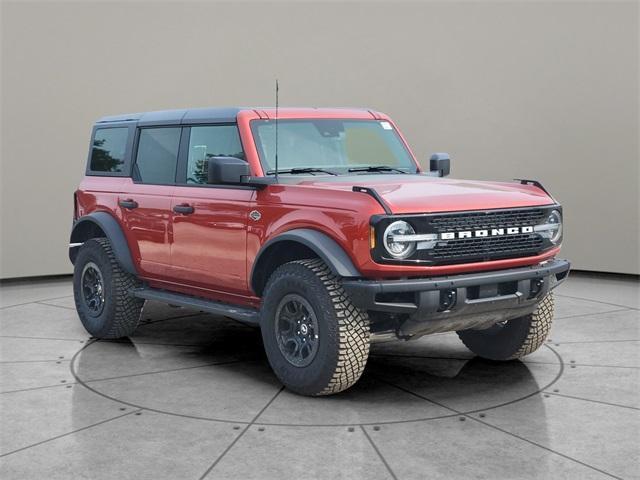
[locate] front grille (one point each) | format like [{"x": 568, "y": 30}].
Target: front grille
[
  {"x": 473, "y": 249},
  {"x": 488, "y": 248},
  {"x": 489, "y": 219}
]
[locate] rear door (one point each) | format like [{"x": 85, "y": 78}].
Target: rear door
[
  {"x": 210, "y": 221},
  {"x": 146, "y": 207}
]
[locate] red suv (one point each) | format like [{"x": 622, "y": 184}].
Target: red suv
[{"x": 317, "y": 225}]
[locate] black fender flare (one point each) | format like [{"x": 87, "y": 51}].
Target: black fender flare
[
  {"x": 112, "y": 231},
  {"x": 320, "y": 243}
]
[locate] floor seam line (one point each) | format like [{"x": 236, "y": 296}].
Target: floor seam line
[
  {"x": 387, "y": 355},
  {"x": 560, "y": 342},
  {"x": 375, "y": 448},
  {"x": 165, "y": 371},
  {"x": 224, "y": 452},
  {"x": 178, "y": 317},
  {"x": 10, "y": 362},
  {"x": 468, "y": 415},
  {"x": 591, "y": 400},
  {"x": 54, "y": 305},
  {"x": 537, "y": 362},
  {"x": 69, "y": 433},
  {"x": 37, "y": 388},
  {"x": 526, "y": 362},
  {"x": 506, "y": 432},
  {"x": 185, "y": 345},
  {"x": 493, "y": 407},
  {"x": 235, "y": 440},
  {"x": 44, "y": 338},
  {"x": 591, "y": 314},
  {"x": 597, "y": 301},
  {"x": 455, "y": 412},
  {"x": 82, "y": 383},
  {"x": 34, "y": 301}
]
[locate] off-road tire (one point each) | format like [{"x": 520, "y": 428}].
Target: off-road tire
[
  {"x": 343, "y": 329},
  {"x": 121, "y": 312},
  {"x": 515, "y": 339}
]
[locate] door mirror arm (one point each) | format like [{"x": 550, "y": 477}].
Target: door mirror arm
[{"x": 258, "y": 182}]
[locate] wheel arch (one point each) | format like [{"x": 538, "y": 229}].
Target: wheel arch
[
  {"x": 298, "y": 244},
  {"x": 101, "y": 224}
]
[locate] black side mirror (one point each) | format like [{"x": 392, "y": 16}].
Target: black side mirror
[
  {"x": 440, "y": 164},
  {"x": 227, "y": 170}
]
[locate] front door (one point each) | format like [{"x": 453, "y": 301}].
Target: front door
[{"x": 210, "y": 221}]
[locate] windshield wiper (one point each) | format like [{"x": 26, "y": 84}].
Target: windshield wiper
[
  {"x": 376, "y": 168},
  {"x": 295, "y": 171}
]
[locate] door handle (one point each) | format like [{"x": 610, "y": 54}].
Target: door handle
[
  {"x": 128, "y": 203},
  {"x": 183, "y": 209}
]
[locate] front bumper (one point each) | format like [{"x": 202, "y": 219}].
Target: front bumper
[{"x": 457, "y": 302}]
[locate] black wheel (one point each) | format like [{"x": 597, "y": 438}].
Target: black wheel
[
  {"x": 514, "y": 338},
  {"x": 316, "y": 340},
  {"x": 101, "y": 291}
]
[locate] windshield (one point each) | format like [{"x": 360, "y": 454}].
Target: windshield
[{"x": 331, "y": 147}]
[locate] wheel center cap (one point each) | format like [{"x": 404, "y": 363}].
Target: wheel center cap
[{"x": 304, "y": 329}]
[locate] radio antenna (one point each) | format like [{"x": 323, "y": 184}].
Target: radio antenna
[{"x": 276, "y": 130}]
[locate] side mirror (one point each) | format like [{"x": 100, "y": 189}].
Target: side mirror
[
  {"x": 440, "y": 164},
  {"x": 226, "y": 170}
]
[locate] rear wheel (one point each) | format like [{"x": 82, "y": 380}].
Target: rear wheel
[
  {"x": 316, "y": 340},
  {"x": 101, "y": 291},
  {"x": 514, "y": 338}
]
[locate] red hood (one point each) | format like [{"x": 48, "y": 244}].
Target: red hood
[{"x": 424, "y": 194}]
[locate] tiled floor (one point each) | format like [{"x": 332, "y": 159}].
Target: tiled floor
[{"x": 191, "y": 396}]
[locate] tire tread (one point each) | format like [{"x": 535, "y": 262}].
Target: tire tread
[
  {"x": 527, "y": 335},
  {"x": 352, "y": 332},
  {"x": 126, "y": 307},
  {"x": 539, "y": 328}
]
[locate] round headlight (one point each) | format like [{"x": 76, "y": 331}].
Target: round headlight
[
  {"x": 395, "y": 244},
  {"x": 555, "y": 220},
  {"x": 551, "y": 228}
]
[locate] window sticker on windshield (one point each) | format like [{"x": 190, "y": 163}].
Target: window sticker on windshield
[{"x": 386, "y": 125}]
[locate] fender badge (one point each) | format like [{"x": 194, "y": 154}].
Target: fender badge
[{"x": 255, "y": 215}]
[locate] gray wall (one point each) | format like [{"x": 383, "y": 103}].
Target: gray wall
[{"x": 531, "y": 89}]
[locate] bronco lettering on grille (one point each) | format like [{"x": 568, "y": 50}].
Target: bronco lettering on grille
[{"x": 493, "y": 232}]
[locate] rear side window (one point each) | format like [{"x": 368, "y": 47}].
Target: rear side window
[
  {"x": 157, "y": 155},
  {"x": 109, "y": 149},
  {"x": 207, "y": 142}
]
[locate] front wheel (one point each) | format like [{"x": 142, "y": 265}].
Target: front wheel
[
  {"x": 514, "y": 338},
  {"x": 316, "y": 340}
]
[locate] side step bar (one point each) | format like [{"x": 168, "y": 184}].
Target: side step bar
[{"x": 242, "y": 314}]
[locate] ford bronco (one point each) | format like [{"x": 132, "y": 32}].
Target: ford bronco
[{"x": 316, "y": 225}]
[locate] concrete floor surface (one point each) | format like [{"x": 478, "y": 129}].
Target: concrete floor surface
[{"x": 191, "y": 396}]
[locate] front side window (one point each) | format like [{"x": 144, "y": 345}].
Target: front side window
[
  {"x": 338, "y": 146},
  {"x": 207, "y": 142},
  {"x": 109, "y": 149},
  {"x": 157, "y": 155}
]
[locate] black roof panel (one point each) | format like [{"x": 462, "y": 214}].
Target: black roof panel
[
  {"x": 173, "y": 117},
  {"x": 206, "y": 115}
]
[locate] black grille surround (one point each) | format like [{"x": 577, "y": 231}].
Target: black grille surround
[{"x": 469, "y": 250}]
